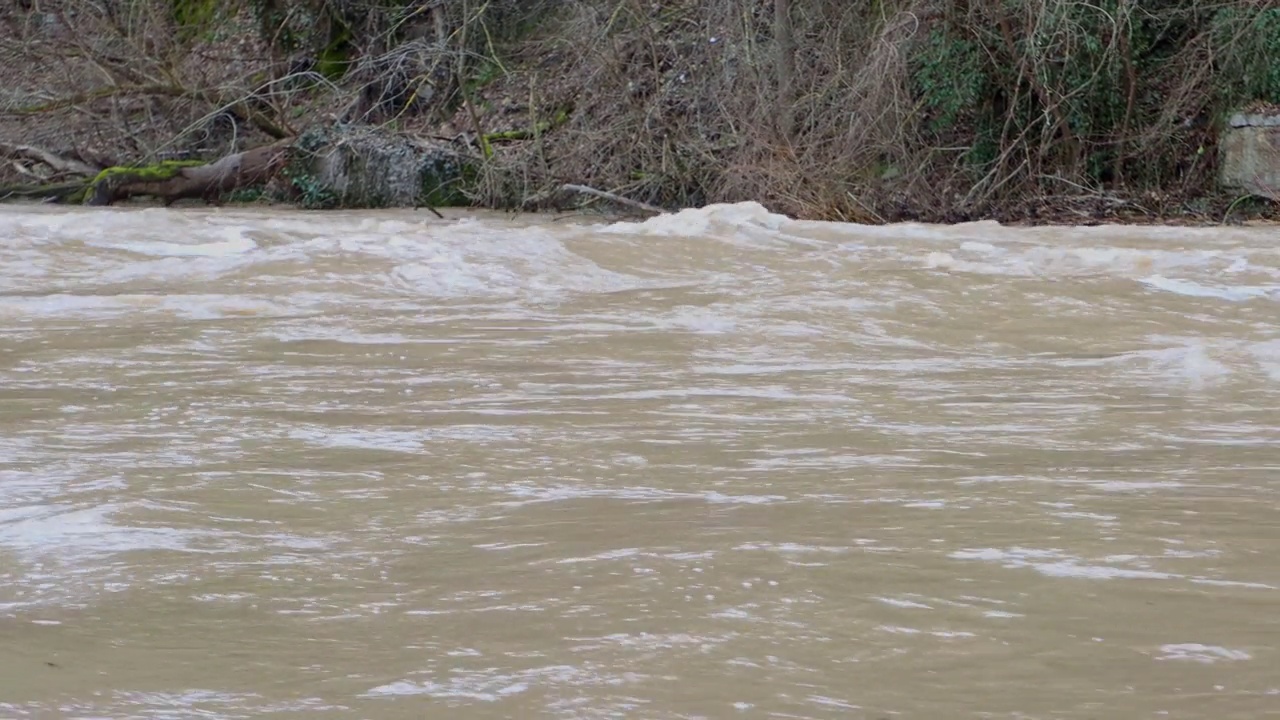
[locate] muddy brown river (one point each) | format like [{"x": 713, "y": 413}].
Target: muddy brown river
[{"x": 718, "y": 464}]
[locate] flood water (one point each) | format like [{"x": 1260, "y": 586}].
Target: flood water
[{"x": 719, "y": 464}]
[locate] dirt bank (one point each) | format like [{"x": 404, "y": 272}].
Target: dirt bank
[{"x": 933, "y": 110}]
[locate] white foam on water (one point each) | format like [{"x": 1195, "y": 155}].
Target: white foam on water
[
  {"x": 80, "y": 534},
  {"x": 195, "y": 307},
  {"x": 1267, "y": 356},
  {"x": 697, "y": 320},
  {"x": 529, "y": 495},
  {"x": 1059, "y": 564},
  {"x": 232, "y": 242},
  {"x": 63, "y": 305},
  {"x": 1190, "y": 362},
  {"x": 406, "y": 441},
  {"x": 447, "y": 260},
  {"x": 1190, "y": 288},
  {"x": 492, "y": 685},
  {"x": 1066, "y": 259},
  {"x": 27, "y": 224},
  {"x": 1134, "y": 485},
  {"x": 647, "y": 641},
  {"x": 903, "y": 603},
  {"x": 1056, "y": 563},
  {"x": 341, "y": 335},
  {"x": 1201, "y": 363},
  {"x": 832, "y": 702},
  {"x": 201, "y": 703},
  {"x": 704, "y": 221},
  {"x": 945, "y": 634},
  {"x": 1206, "y": 654},
  {"x": 788, "y": 548},
  {"x": 475, "y": 259},
  {"x": 482, "y": 258}
]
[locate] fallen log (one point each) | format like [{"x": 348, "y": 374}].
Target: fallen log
[
  {"x": 377, "y": 171},
  {"x": 614, "y": 197},
  {"x": 571, "y": 188},
  {"x": 48, "y": 192},
  {"x": 176, "y": 180},
  {"x": 59, "y": 164}
]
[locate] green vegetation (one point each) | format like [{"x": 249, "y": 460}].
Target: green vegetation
[
  {"x": 442, "y": 187},
  {"x": 194, "y": 13},
  {"x": 1252, "y": 70},
  {"x": 246, "y": 195},
  {"x": 162, "y": 170},
  {"x": 310, "y": 192},
  {"x": 1077, "y": 90},
  {"x": 542, "y": 127}
]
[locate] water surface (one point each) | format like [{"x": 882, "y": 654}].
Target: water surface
[{"x": 716, "y": 464}]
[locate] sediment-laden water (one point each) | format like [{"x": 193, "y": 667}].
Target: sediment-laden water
[{"x": 719, "y": 464}]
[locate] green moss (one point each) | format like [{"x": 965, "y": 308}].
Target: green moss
[
  {"x": 194, "y": 13},
  {"x": 334, "y": 58},
  {"x": 162, "y": 170},
  {"x": 490, "y": 69},
  {"x": 195, "y": 17},
  {"x": 560, "y": 117},
  {"x": 155, "y": 172},
  {"x": 446, "y": 187}
]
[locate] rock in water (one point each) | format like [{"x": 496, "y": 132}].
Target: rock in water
[{"x": 366, "y": 167}]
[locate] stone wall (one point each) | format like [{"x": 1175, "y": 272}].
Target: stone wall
[{"x": 1250, "y": 158}]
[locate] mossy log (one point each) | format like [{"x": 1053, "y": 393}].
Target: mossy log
[
  {"x": 560, "y": 117},
  {"x": 176, "y": 180},
  {"x": 487, "y": 140}
]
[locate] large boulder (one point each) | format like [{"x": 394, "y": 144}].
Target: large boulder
[
  {"x": 353, "y": 166},
  {"x": 1250, "y": 149}
]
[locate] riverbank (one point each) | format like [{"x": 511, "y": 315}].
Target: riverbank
[{"x": 950, "y": 114}]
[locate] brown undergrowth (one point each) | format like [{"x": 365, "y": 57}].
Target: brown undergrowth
[
  {"x": 1037, "y": 110},
  {"x": 862, "y": 110}
]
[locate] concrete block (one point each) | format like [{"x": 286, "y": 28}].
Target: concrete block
[{"x": 1250, "y": 154}]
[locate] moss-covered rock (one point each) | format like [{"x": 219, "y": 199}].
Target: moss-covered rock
[{"x": 365, "y": 167}]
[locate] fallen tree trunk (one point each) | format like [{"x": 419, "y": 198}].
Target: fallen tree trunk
[
  {"x": 561, "y": 191},
  {"x": 614, "y": 197},
  {"x": 173, "y": 181},
  {"x": 50, "y": 192},
  {"x": 319, "y": 169},
  {"x": 59, "y": 164}
]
